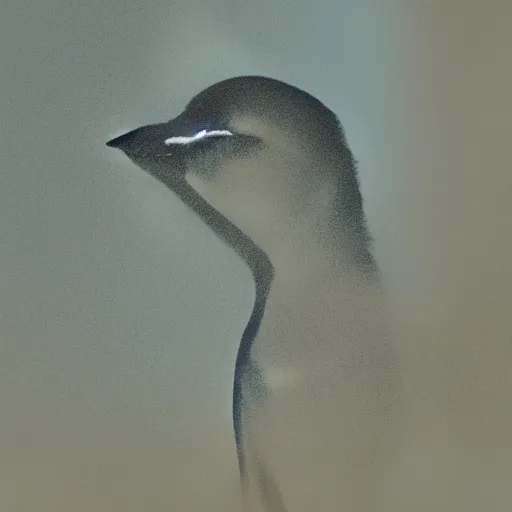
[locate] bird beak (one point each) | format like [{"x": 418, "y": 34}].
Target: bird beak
[
  {"x": 148, "y": 148},
  {"x": 147, "y": 141},
  {"x": 159, "y": 150},
  {"x": 121, "y": 141}
]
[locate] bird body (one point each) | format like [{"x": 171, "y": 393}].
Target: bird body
[{"x": 267, "y": 166}]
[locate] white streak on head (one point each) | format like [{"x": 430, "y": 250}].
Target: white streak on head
[{"x": 199, "y": 135}]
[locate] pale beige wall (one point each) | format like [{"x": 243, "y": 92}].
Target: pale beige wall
[{"x": 458, "y": 233}]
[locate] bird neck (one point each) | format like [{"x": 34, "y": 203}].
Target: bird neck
[
  {"x": 315, "y": 302},
  {"x": 327, "y": 233},
  {"x": 318, "y": 253}
]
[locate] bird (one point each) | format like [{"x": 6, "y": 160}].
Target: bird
[{"x": 316, "y": 383}]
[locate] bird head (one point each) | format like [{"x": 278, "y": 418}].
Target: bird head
[{"x": 263, "y": 153}]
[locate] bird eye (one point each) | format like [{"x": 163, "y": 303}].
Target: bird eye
[{"x": 197, "y": 136}]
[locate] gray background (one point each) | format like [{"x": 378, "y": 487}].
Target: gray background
[{"x": 121, "y": 313}]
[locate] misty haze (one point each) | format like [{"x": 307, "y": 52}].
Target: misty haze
[{"x": 121, "y": 312}]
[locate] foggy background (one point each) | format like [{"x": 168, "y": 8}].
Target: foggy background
[{"x": 121, "y": 313}]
